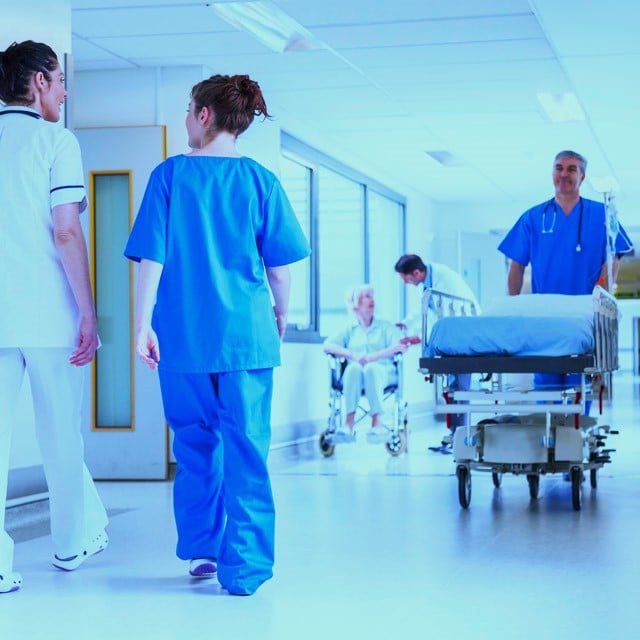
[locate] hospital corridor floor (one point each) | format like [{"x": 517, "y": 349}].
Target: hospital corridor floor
[{"x": 368, "y": 546}]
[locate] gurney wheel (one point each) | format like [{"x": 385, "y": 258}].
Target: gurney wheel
[
  {"x": 397, "y": 444},
  {"x": 497, "y": 479},
  {"x": 594, "y": 478},
  {"x": 534, "y": 485},
  {"x": 576, "y": 488},
  {"x": 464, "y": 486},
  {"x": 326, "y": 447}
]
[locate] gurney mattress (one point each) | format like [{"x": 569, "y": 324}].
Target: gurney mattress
[{"x": 511, "y": 335}]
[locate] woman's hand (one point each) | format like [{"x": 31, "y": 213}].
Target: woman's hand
[
  {"x": 281, "y": 321},
  {"x": 363, "y": 359},
  {"x": 87, "y": 342},
  {"x": 147, "y": 348}
]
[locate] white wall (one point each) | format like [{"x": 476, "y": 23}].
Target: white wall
[{"x": 19, "y": 22}]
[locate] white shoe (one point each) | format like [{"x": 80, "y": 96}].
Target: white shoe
[
  {"x": 10, "y": 581},
  {"x": 344, "y": 435},
  {"x": 95, "y": 545},
  {"x": 203, "y": 568}
]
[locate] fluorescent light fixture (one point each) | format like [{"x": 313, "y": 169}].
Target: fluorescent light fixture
[
  {"x": 561, "y": 107},
  {"x": 604, "y": 184},
  {"x": 266, "y": 22},
  {"x": 445, "y": 158}
]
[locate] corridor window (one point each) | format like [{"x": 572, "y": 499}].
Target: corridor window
[
  {"x": 341, "y": 245},
  {"x": 356, "y": 230},
  {"x": 296, "y": 181}
]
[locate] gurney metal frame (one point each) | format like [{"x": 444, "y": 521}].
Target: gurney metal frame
[{"x": 545, "y": 431}]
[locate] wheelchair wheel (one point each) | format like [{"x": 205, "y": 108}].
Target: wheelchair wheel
[
  {"x": 326, "y": 447},
  {"x": 534, "y": 485},
  {"x": 576, "y": 488},
  {"x": 397, "y": 443},
  {"x": 464, "y": 486},
  {"x": 497, "y": 479}
]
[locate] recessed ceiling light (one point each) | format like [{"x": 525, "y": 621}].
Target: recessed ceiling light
[
  {"x": 445, "y": 158},
  {"x": 266, "y": 22},
  {"x": 561, "y": 107}
]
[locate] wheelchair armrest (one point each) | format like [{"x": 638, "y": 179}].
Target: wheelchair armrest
[{"x": 335, "y": 361}]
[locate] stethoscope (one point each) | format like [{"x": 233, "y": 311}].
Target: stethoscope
[{"x": 550, "y": 229}]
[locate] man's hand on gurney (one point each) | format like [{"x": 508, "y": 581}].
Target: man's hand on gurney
[{"x": 409, "y": 340}]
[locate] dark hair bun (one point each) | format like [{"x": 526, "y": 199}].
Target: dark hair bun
[
  {"x": 235, "y": 101},
  {"x": 18, "y": 63}
]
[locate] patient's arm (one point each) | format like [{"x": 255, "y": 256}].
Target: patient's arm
[
  {"x": 516, "y": 276},
  {"x": 399, "y": 347},
  {"x": 340, "y": 352}
]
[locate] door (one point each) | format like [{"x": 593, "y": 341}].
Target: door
[
  {"x": 124, "y": 429},
  {"x": 482, "y": 266}
]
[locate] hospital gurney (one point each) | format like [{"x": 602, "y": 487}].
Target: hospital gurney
[{"x": 528, "y": 432}]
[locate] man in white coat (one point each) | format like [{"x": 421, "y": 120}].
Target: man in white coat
[{"x": 412, "y": 270}]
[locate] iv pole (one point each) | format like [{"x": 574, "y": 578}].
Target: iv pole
[{"x": 612, "y": 227}]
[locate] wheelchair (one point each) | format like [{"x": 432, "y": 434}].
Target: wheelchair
[{"x": 396, "y": 436}]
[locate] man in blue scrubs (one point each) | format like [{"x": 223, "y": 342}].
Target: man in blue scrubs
[{"x": 565, "y": 241}]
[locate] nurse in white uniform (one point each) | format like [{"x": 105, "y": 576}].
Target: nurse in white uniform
[{"x": 48, "y": 321}]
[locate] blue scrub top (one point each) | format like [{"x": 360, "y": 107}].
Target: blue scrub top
[
  {"x": 215, "y": 223},
  {"x": 556, "y": 265}
]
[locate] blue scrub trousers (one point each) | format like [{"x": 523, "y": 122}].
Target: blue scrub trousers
[
  {"x": 223, "y": 503},
  {"x": 560, "y": 381}
]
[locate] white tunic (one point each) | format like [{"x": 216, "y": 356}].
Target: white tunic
[
  {"x": 40, "y": 168},
  {"x": 444, "y": 279}
]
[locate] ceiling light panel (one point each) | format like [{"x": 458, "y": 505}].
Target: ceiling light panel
[
  {"x": 268, "y": 24},
  {"x": 561, "y": 107}
]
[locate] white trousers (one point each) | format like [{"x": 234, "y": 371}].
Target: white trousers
[
  {"x": 373, "y": 377},
  {"x": 77, "y": 513}
]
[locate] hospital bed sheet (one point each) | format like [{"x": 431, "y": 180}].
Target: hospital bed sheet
[{"x": 511, "y": 335}]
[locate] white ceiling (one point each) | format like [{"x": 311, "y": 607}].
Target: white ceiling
[{"x": 404, "y": 76}]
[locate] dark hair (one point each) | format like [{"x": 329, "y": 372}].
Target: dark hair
[
  {"x": 18, "y": 64},
  {"x": 235, "y": 101},
  {"x": 409, "y": 263}
]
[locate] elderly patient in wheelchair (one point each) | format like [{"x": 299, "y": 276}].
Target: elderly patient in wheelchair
[{"x": 368, "y": 345}]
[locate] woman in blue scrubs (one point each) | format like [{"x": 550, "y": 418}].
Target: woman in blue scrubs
[
  {"x": 214, "y": 235},
  {"x": 564, "y": 240}
]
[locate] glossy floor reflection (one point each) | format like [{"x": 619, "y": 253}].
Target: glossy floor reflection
[{"x": 368, "y": 547}]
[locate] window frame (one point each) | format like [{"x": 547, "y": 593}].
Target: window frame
[{"x": 297, "y": 151}]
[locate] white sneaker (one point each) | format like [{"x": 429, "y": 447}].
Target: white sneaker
[
  {"x": 10, "y": 581},
  {"x": 202, "y": 568},
  {"x": 95, "y": 545}
]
